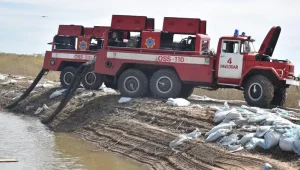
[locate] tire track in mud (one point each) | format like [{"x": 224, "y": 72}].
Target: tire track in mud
[{"x": 144, "y": 141}]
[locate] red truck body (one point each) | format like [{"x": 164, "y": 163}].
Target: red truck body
[
  {"x": 72, "y": 46},
  {"x": 234, "y": 65}
]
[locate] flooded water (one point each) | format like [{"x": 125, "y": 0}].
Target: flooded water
[{"x": 35, "y": 147}]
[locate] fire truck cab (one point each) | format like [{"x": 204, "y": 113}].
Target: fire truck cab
[
  {"x": 72, "y": 46},
  {"x": 155, "y": 63}
]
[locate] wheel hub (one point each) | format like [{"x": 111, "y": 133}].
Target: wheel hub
[
  {"x": 131, "y": 84},
  {"x": 68, "y": 78},
  {"x": 90, "y": 78},
  {"x": 255, "y": 91},
  {"x": 164, "y": 84}
]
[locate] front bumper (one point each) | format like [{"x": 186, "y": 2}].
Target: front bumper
[{"x": 292, "y": 82}]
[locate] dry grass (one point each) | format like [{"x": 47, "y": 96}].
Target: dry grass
[
  {"x": 232, "y": 94},
  {"x": 28, "y": 65}
]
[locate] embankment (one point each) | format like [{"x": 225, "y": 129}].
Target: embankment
[{"x": 142, "y": 129}]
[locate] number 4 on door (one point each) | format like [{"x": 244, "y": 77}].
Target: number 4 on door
[{"x": 229, "y": 61}]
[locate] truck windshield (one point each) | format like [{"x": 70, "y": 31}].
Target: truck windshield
[{"x": 247, "y": 47}]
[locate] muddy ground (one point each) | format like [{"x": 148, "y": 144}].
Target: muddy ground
[{"x": 143, "y": 128}]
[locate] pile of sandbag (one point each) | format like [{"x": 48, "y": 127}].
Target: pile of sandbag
[{"x": 264, "y": 128}]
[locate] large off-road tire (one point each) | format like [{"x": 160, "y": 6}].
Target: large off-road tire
[
  {"x": 258, "y": 91},
  {"x": 186, "y": 90},
  {"x": 279, "y": 97},
  {"x": 165, "y": 83},
  {"x": 66, "y": 76},
  {"x": 92, "y": 81},
  {"x": 133, "y": 83}
]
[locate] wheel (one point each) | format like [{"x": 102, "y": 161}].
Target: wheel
[
  {"x": 279, "y": 97},
  {"x": 92, "y": 81},
  {"x": 258, "y": 91},
  {"x": 133, "y": 83},
  {"x": 66, "y": 76},
  {"x": 165, "y": 83},
  {"x": 186, "y": 91}
]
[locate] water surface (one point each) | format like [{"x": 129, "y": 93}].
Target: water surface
[{"x": 35, "y": 147}]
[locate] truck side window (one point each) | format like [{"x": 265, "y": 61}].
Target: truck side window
[
  {"x": 230, "y": 47},
  {"x": 245, "y": 48}
]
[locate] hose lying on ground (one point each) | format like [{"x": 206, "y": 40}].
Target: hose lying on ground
[
  {"x": 79, "y": 75},
  {"x": 27, "y": 92}
]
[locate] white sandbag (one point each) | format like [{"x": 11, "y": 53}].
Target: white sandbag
[
  {"x": 269, "y": 121},
  {"x": 245, "y": 112},
  {"x": 228, "y": 140},
  {"x": 233, "y": 115},
  {"x": 253, "y": 109},
  {"x": 254, "y": 142},
  {"x": 271, "y": 139},
  {"x": 226, "y": 106},
  {"x": 124, "y": 99},
  {"x": 195, "y": 134},
  {"x": 45, "y": 85},
  {"x": 241, "y": 122},
  {"x": 286, "y": 142},
  {"x": 221, "y": 126},
  {"x": 267, "y": 166},
  {"x": 183, "y": 137},
  {"x": 108, "y": 90},
  {"x": 262, "y": 130},
  {"x": 249, "y": 128},
  {"x": 178, "y": 102},
  {"x": 296, "y": 146},
  {"x": 216, "y": 135},
  {"x": 258, "y": 119},
  {"x": 2, "y": 77},
  {"x": 246, "y": 138},
  {"x": 282, "y": 121},
  {"x": 220, "y": 115},
  {"x": 57, "y": 93},
  {"x": 235, "y": 148},
  {"x": 178, "y": 141}
]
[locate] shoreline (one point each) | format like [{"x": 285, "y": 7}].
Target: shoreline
[{"x": 140, "y": 130}]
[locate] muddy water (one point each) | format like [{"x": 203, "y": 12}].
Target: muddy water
[{"x": 35, "y": 147}]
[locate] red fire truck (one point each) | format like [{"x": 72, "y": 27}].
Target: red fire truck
[
  {"x": 72, "y": 46},
  {"x": 155, "y": 63}
]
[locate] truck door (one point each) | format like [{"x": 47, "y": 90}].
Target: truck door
[{"x": 230, "y": 61}]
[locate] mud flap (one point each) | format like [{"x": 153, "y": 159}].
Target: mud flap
[{"x": 28, "y": 91}]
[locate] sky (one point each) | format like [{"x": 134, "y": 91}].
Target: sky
[{"x": 23, "y": 30}]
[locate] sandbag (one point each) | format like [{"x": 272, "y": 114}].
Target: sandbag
[
  {"x": 179, "y": 102},
  {"x": 254, "y": 142},
  {"x": 271, "y": 139},
  {"x": 246, "y": 138},
  {"x": 258, "y": 119},
  {"x": 228, "y": 140},
  {"x": 296, "y": 146},
  {"x": 233, "y": 115},
  {"x": 220, "y": 115},
  {"x": 235, "y": 148},
  {"x": 286, "y": 142},
  {"x": 217, "y": 134},
  {"x": 221, "y": 126},
  {"x": 262, "y": 130}
]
